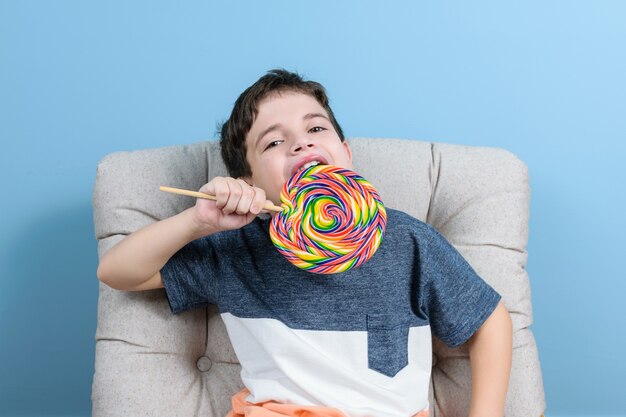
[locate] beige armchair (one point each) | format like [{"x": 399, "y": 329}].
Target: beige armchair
[{"x": 152, "y": 363}]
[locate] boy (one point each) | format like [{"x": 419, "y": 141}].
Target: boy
[{"x": 356, "y": 343}]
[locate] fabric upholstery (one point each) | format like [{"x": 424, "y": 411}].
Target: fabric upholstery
[{"x": 152, "y": 363}]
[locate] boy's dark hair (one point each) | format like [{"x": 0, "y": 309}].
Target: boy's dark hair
[{"x": 234, "y": 130}]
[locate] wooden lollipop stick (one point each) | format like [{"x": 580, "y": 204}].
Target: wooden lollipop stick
[{"x": 180, "y": 191}]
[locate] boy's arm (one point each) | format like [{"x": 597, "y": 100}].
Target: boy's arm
[
  {"x": 135, "y": 263},
  {"x": 490, "y": 350}
]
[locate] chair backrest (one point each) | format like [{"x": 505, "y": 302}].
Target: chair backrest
[{"x": 150, "y": 362}]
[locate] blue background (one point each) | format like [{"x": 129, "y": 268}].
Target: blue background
[{"x": 81, "y": 79}]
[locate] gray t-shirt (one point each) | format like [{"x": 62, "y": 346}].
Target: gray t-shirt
[{"x": 358, "y": 340}]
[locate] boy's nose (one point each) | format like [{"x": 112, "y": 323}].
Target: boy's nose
[{"x": 301, "y": 144}]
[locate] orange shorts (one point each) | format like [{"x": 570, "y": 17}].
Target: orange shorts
[{"x": 242, "y": 408}]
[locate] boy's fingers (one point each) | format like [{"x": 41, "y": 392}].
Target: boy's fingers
[
  {"x": 258, "y": 201},
  {"x": 209, "y": 188},
  {"x": 246, "y": 198},
  {"x": 234, "y": 195},
  {"x": 221, "y": 192}
]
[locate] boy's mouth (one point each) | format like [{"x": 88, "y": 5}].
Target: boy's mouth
[{"x": 307, "y": 163}]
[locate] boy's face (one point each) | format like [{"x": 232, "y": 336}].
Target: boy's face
[{"x": 291, "y": 131}]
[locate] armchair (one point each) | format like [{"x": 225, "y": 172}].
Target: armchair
[{"x": 150, "y": 362}]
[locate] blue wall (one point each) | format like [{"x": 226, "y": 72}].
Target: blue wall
[{"x": 80, "y": 79}]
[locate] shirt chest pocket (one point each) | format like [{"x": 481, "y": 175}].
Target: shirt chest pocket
[{"x": 387, "y": 343}]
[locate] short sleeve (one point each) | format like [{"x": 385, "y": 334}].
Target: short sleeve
[
  {"x": 455, "y": 299},
  {"x": 190, "y": 277}
]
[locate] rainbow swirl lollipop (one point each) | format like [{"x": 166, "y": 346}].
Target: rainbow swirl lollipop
[{"x": 333, "y": 220}]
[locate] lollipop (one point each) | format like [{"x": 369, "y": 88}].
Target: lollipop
[{"x": 333, "y": 220}]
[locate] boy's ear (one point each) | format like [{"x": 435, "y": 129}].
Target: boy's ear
[{"x": 348, "y": 150}]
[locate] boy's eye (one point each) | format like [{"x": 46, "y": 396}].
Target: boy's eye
[
  {"x": 316, "y": 129},
  {"x": 272, "y": 144}
]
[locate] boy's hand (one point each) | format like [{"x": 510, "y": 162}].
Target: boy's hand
[{"x": 237, "y": 204}]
